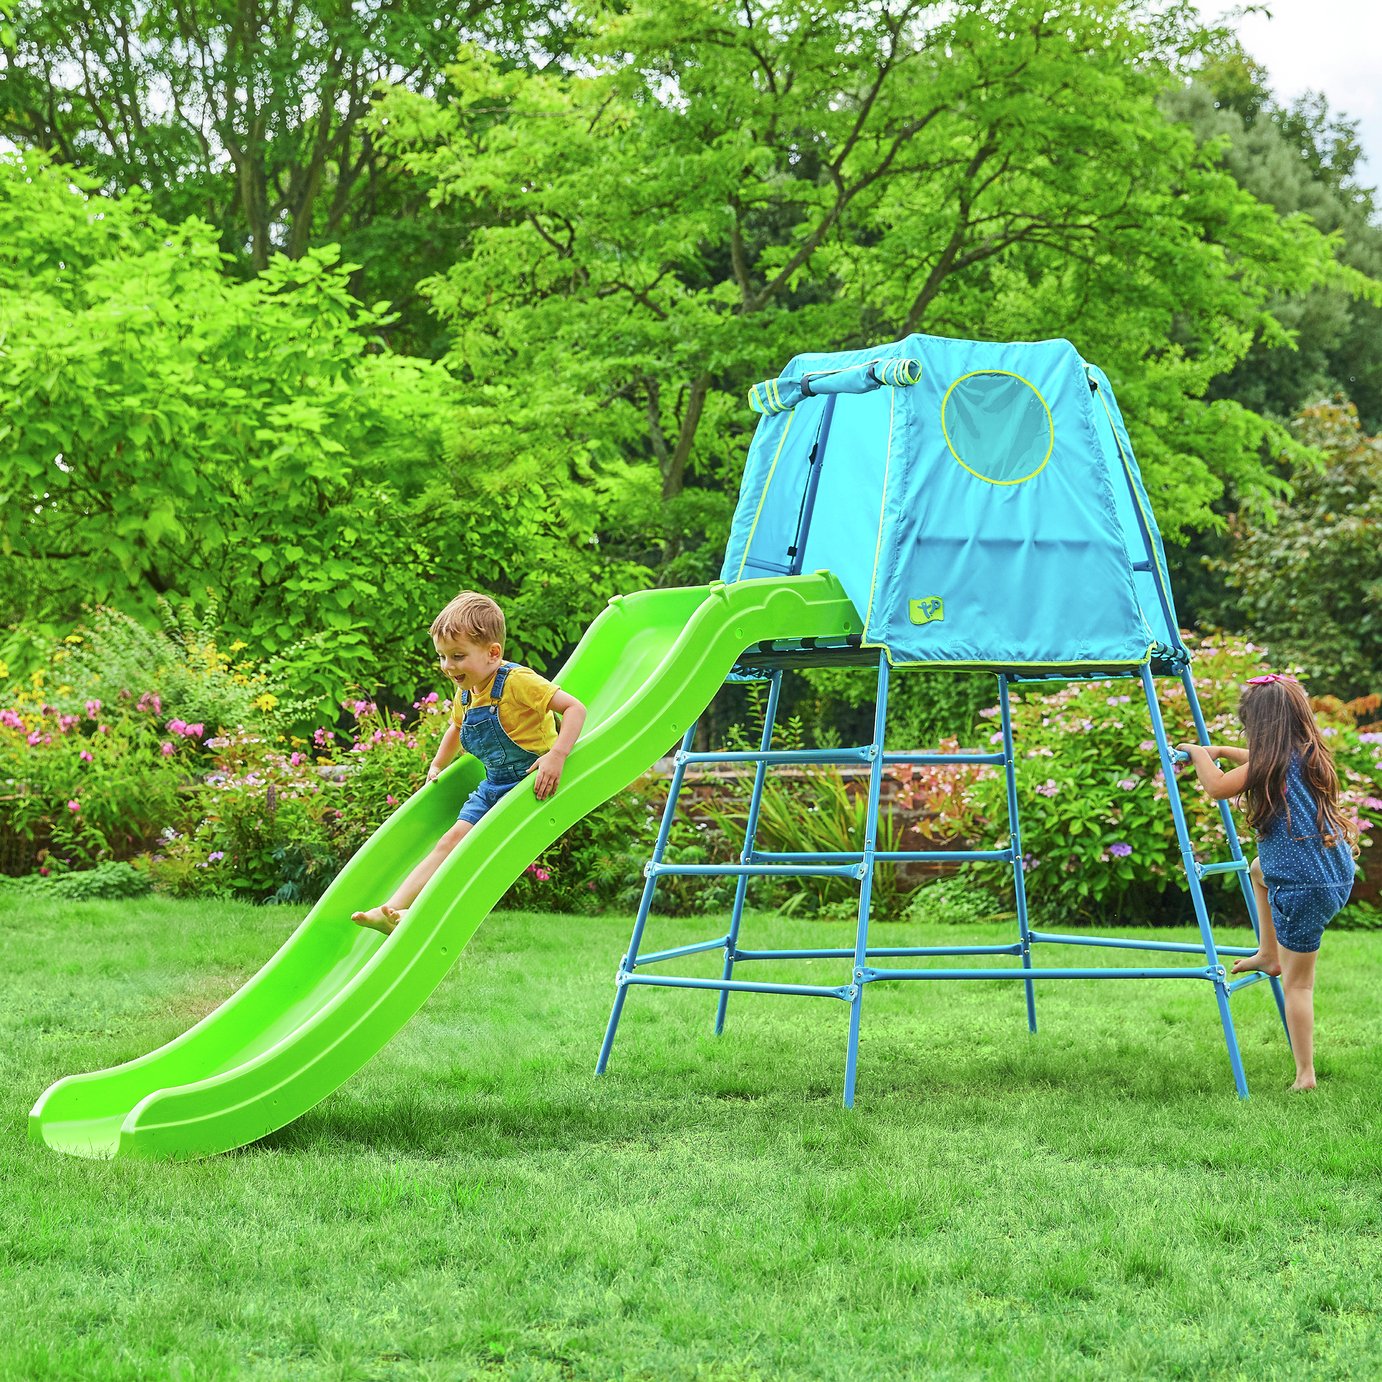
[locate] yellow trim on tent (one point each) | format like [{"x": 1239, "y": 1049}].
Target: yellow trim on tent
[
  {"x": 762, "y": 498},
  {"x": 1050, "y": 427}
]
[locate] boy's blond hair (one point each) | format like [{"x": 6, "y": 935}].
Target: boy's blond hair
[{"x": 471, "y": 616}]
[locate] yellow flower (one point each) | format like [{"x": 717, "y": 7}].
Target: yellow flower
[
  {"x": 265, "y": 702},
  {"x": 238, "y": 645}
]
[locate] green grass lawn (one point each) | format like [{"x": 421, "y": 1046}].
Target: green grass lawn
[{"x": 1090, "y": 1202}]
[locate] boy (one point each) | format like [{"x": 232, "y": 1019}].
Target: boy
[{"x": 503, "y": 714}]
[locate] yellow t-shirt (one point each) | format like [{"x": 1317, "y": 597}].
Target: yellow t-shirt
[{"x": 525, "y": 708}]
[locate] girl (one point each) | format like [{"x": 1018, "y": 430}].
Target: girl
[{"x": 1303, "y": 872}]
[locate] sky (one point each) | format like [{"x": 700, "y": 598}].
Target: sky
[{"x": 1330, "y": 46}]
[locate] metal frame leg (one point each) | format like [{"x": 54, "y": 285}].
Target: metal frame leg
[
  {"x": 866, "y": 867},
  {"x": 1015, "y": 841},
  {"x": 1236, "y": 850},
  {"x": 630, "y": 958},
  {"x": 1193, "y": 879},
  {"x": 760, "y": 773}
]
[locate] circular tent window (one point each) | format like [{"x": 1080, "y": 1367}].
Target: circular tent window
[{"x": 997, "y": 426}]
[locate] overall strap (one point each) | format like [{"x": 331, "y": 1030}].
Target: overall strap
[{"x": 500, "y": 677}]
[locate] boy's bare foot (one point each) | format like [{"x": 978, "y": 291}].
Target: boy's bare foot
[
  {"x": 383, "y": 918},
  {"x": 1244, "y": 964},
  {"x": 1303, "y": 1082}
]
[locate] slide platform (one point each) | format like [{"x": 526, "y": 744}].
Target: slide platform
[{"x": 335, "y": 993}]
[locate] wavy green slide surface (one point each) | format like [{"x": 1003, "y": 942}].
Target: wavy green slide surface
[{"x": 335, "y": 993}]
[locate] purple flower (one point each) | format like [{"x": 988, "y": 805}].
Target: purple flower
[
  {"x": 1127, "y": 783},
  {"x": 1049, "y": 788},
  {"x": 1119, "y": 849},
  {"x": 215, "y": 856}
]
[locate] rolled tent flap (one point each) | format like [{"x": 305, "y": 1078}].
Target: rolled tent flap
[{"x": 782, "y": 394}]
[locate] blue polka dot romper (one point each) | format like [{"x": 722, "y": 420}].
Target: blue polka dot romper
[{"x": 1307, "y": 881}]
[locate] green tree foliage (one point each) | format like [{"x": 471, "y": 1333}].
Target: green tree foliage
[
  {"x": 247, "y": 113},
  {"x": 711, "y": 188},
  {"x": 1310, "y": 583},
  {"x": 168, "y": 429},
  {"x": 1300, "y": 159}
]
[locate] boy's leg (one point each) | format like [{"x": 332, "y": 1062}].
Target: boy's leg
[
  {"x": 385, "y": 918},
  {"x": 1298, "y": 981},
  {"x": 1268, "y": 956}
]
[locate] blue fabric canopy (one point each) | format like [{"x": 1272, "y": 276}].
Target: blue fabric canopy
[{"x": 980, "y": 502}]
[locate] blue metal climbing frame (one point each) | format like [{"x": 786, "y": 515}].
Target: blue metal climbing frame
[{"x": 639, "y": 969}]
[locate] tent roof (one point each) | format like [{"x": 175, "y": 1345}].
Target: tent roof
[{"x": 990, "y": 513}]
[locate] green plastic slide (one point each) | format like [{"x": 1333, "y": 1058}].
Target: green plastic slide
[{"x": 335, "y": 993}]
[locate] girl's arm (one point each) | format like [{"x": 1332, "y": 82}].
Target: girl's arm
[
  {"x": 1218, "y": 785},
  {"x": 446, "y": 751},
  {"x": 1233, "y": 755}
]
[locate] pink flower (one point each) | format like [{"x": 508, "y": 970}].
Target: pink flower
[
  {"x": 177, "y": 726},
  {"x": 1049, "y": 788},
  {"x": 74, "y": 805},
  {"x": 167, "y": 749},
  {"x": 86, "y": 757},
  {"x": 391, "y": 799},
  {"x": 35, "y": 738},
  {"x": 102, "y": 729},
  {"x": 93, "y": 709},
  {"x": 10, "y": 720},
  {"x": 195, "y": 731},
  {"x": 1127, "y": 783},
  {"x": 294, "y": 759},
  {"x": 151, "y": 703}
]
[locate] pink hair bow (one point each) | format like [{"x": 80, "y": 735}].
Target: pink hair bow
[{"x": 1270, "y": 677}]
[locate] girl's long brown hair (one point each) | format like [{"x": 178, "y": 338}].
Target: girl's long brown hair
[{"x": 1279, "y": 723}]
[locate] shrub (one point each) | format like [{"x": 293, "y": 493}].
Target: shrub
[
  {"x": 1097, "y": 831},
  {"x": 76, "y": 788},
  {"x": 187, "y": 668}
]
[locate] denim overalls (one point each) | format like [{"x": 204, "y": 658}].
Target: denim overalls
[{"x": 506, "y": 764}]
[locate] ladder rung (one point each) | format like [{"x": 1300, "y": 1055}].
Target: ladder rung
[{"x": 1228, "y": 866}]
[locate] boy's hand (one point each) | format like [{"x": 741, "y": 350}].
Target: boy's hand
[
  {"x": 433, "y": 772},
  {"x": 547, "y": 773}
]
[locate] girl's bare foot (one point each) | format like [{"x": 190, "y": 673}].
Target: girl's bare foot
[
  {"x": 383, "y": 918},
  {"x": 1303, "y": 1082},
  {"x": 1246, "y": 963}
]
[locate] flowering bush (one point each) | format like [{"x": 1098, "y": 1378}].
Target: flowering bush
[
  {"x": 276, "y": 819},
  {"x": 95, "y": 783},
  {"x": 185, "y": 668},
  {"x": 1098, "y": 837}
]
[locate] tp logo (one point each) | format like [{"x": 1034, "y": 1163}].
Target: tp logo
[{"x": 928, "y": 610}]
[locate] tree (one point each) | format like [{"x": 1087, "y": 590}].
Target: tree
[
  {"x": 247, "y": 113},
  {"x": 711, "y": 188},
  {"x": 169, "y": 430},
  {"x": 1300, "y": 159},
  {"x": 1309, "y": 584}
]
